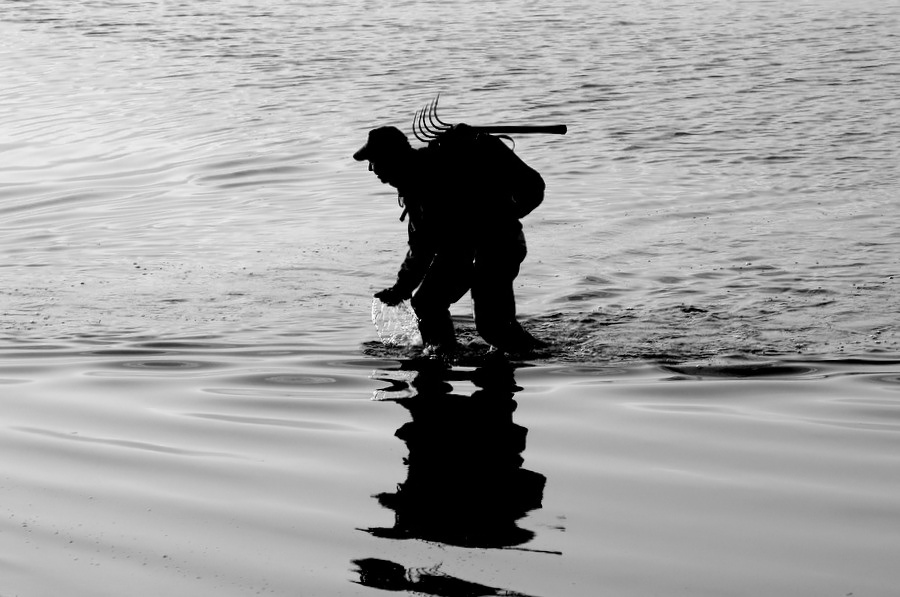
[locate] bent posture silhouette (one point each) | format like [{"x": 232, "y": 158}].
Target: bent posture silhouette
[{"x": 464, "y": 194}]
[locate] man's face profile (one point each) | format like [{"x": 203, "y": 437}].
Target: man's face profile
[{"x": 386, "y": 169}]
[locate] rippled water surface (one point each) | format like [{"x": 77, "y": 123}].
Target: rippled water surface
[{"x": 193, "y": 399}]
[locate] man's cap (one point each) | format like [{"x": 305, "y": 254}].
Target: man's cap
[{"x": 382, "y": 141}]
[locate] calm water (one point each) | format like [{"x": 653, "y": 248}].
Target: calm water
[{"x": 193, "y": 401}]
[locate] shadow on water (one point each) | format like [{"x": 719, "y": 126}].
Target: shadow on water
[{"x": 465, "y": 483}]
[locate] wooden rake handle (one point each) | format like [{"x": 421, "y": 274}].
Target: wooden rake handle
[{"x": 550, "y": 129}]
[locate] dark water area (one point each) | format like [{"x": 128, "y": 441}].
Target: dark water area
[{"x": 194, "y": 400}]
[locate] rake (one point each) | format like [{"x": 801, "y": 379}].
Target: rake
[{"x": 427, "y": 126}]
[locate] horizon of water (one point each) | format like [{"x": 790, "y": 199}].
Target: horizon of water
[{"x": 194, "y": 399}]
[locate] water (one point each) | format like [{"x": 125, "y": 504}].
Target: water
[{"x": 194, "y": 401}]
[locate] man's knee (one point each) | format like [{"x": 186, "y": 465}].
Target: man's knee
[{"x": 426, "y": 307}]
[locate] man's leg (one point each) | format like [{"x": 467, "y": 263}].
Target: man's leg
[
  {"x": 447, "y": 280},
  {"x": 496, "y": 268}
]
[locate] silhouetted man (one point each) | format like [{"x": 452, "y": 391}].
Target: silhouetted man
[{"x": 464, "y": 194}]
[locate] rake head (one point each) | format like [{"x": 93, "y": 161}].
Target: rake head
[{"x": 426, "y": 124}]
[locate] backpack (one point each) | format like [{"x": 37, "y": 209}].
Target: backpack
[{"x": 481, "y": 165}]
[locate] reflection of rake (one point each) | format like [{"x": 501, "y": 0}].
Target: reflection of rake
[{"x": 427, "y": 126}]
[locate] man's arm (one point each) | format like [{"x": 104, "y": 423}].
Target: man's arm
[{"x": 415, "y": 265}]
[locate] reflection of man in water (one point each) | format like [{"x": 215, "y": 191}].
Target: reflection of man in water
[
  {"x": 390, "y": 576},
  {"x": 464, "y": 195},
  {"x": 465, "y": 484}
]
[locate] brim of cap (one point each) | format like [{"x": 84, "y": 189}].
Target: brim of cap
[{"x": 362, "y": 154}]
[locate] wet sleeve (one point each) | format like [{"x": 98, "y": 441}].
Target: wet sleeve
[{"x": 418, "y": 259}]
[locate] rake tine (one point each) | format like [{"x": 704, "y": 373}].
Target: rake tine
[
  {"x": 436, "y": 124},
  {"x": 426, "y": 112},
  {"x": 423, "y": 126},
  {"x": 442, "y": 124},
  {"x": 424, "y": 120},
  {"x": 416, "y": 131}
]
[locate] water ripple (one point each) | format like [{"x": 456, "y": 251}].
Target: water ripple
[
  {"x": 188, "y": 253},
  {"x": 275, "y": 422},
  {"x": 124, "y": 443}
]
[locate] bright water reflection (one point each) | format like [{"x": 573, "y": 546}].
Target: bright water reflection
[{"x": 225, "y": 468}]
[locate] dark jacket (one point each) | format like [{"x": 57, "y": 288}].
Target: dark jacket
[{"x": 466, "y": 202}]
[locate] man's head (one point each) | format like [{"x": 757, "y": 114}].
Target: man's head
[{"x": 388, "y": 151}]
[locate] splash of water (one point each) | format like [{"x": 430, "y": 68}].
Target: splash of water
[{"x": 396, "y": 325}]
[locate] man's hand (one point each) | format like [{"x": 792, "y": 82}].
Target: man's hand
[
  {"x": 463, "y": 130},
  {"x": 390, "y": 296},
  {"x": 460, "y": 134}
]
